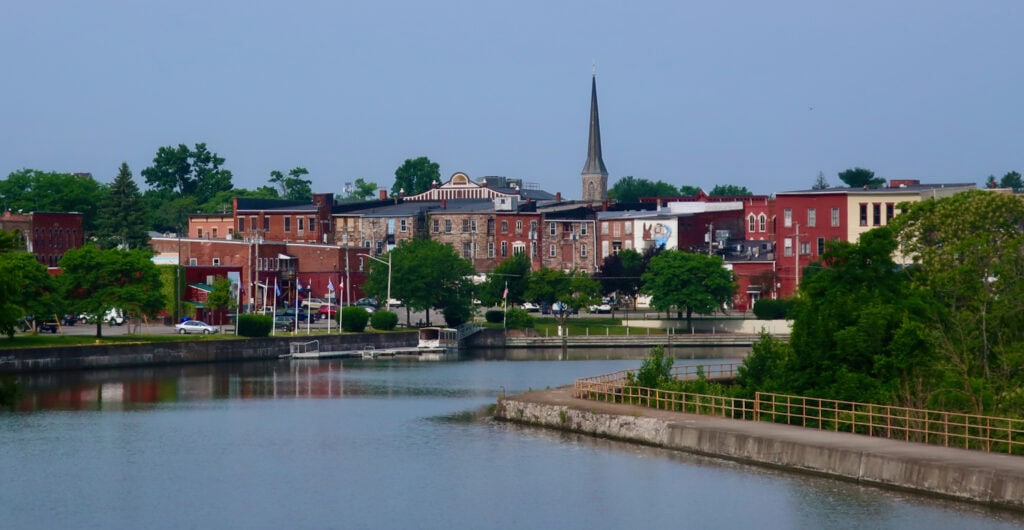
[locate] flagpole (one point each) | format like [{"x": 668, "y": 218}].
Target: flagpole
[
  {"x": 504, "y": 305},
  {"x": 273, "y": 314},
  {"x": 330, "y": 289},
  {"x": 298, "y": 283},
  {"x": 238, "y": 303},
  {"x": 309, "y": 317},
  {"x": 340, "y": 316}
]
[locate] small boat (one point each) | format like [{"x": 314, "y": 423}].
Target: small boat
[{"x": 438, "y": 344}]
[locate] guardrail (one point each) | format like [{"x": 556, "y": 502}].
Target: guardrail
[{"x": 950, "y": 429}]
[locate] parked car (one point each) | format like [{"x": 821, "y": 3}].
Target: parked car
[
  {"x": 531, "y": 307},
  {"x": 114, "y": 317},
  {"x": 559, "y": 308},
  {"x": 69, "y": 319},
  {"x": 284, "y": 322},
  {"x": 327, "y": 310},
  {"x": 194, "y": 326},
  {"x": 369, "y": 304},
  {"x": 313, "y": 303},
  {"x": 600, "y": 308}
]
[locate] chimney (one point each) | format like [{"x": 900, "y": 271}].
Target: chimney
[
  {"x": 444, "y": 204},
  {"x": 558, "y": 196},
  {"x": 383, "y": 194}
]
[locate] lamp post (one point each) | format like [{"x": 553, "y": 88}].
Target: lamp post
[{"x": 388, "y": 263}]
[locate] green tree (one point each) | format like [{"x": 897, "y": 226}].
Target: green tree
[
  {"x": 859, "y": 177},
  {"x": 573, "y": 290},
  {"x": 293, "y": 187},
  {"x": 95, "y": 280},
  {"x": 184, "y": 172},
  {"x": 169, "y": 212},
  {"x": 416, "y": 176},
  {"x": 514, "y": 273},
  {"x": 630, "y": 189},
  {"x": 222, "y": 297},
  {"x": 425, "y": 275},
  {"x": 688, "y": 282},
  {"x": 820, "y": 183},
  {"x": 1013, "y": 181},
  {"x": 621, "y": 273},
  {"x": 360, "y": 190},
  {"x": 30, "y": 190},
  {"x": 27, "y": 289},
  {"x": 729, "y": 190},
  {"x": 122, "y": 218}
]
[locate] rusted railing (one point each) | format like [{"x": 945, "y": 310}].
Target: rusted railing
[{"x": 950, "y": 429}]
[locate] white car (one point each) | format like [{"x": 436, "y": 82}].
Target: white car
[
  {"x": 195, "y": 326},
  {"x": 600, "y": 308},
  {"x": 531, "y": 307}
]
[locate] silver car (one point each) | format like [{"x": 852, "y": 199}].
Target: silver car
[{"x": 195, "y": 326}]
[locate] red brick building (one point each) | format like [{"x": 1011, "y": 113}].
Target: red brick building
[{"x": 47, "y": 235}]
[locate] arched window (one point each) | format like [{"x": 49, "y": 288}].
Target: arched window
[
  {"x": 751, "y": 223},
  {"x": 762, "y": 222}
]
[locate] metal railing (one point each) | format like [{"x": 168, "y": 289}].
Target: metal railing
[
  {"x": 949, "y": 429},
  {"x": 304, "y": 347}
]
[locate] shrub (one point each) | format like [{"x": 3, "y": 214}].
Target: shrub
[
  {"x": 255, "y": 325},
  {"x": 384, "y": 320},
  {"x": 494, "y": 316},
  {"x": 518, "y": 319},
  {"x": 655, "y": 371},
  {"x": 354, "y": 319},
  {"x": 766, "y": 309}
]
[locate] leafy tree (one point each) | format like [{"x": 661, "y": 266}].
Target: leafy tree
[
  {"x": 27, "y": 289},
  {"x": 968, "y": 254},
  {"x": 169, "y": 212},
  {"x": 574, "y": 290},
  {"x": 655, "y": 371},
  {"x": 630, "y": 189},
  {"x": 688, "y": 191},
  {"x": 688, "y": 282},
  {"x": 991, "y": 182},
  {"x": 416, "y": 176},
  {"x": 221, "y": 297},
  {"x": 39, "y": 191},
  {"x": 767, "y": 368},
  {"x": 729, "y": 190},
  {"x": 360, "y": 190},
  {"x": 95, "y": 280},
  {"x": 514, "y": 272},
  {"x": 293, "y": 187},
  {"x": 122, "y": 218},
  {"x": 184, "y": 172},
  {"x": 621, "y": 273},
  {"x": 1013, "y": 181},
  {"x": 820, "y": 183},
  {"x": 859, "y": 177},
  {"x": 425, "y": 275}
]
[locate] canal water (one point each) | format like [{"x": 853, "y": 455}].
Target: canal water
[{"x": 384, "y": 444}]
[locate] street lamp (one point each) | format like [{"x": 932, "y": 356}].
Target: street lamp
[{"x": 388, "y": 263}]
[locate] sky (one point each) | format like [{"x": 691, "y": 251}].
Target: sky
[{"x": 758, "y": 94}]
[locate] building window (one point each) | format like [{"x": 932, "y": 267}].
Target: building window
[
  {"x": 266, "y": 224},
  {"x": 583, "y": 229},
  {"x": 519, "y": 226},
  {"x": 216, "y": 262},
  {"x": 447, "y": 226},
  {"x": 199, "y": 232},
  {"x": 311, "y": 225},
  {"x": 504, "y": 249},
  {"x": 241, "y": 224},
  {"x": 616, "y": 229},
  {"x": 366, "y": 243},
  {"x": 467, "y": 250},
  {"x": 552, "y": 230},
  {"x": 437, "y": 226},
  {"x": 465, "y": 226},
  {"x": 616, "y": 246},
  {"x": 299, "y": 221},
  {"x": 787, "y": 217},
  {"x": 490, "y": 249},
  {"x": 821, "y": 246},
  {"x": 504, "y": 227},
  {"x": 518, "y": 248},
  {"x": 214, "y": 233},
  {"x": 583, "y": 250},
  {"x": 787, "y": 247},
  {"x": 380, "y": 248},
  {"x": 604, "y": 228},
  {"x": 287, "y": 224},
  {"x": 762, "y": 223},
  {"x": 533, "y": 249},
  {"x": 533, "y": 228},
  {"x": 812, "y": 217},
  {"x": 890, "y": 212},
  {"x": 629, "y": 227},
  {"x": 805, "y": 248},
  {"x": 551, "y": 251},
  {"x": 876, "y": 210},
  {"x": 490, "y": 227},
  {"x": 863, "y": 214},
  {"x": 403, "y": 225},
  {"x": 193, "y": 262},
  {"x": 835, "y": 216},
  {"x": 751, "y": 224},
  {"x": 472, "y": 226}
]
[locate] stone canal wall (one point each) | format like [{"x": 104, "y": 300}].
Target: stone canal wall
[
  {"x": 993, "y": 479},
  {"x": 186, "y": 351}
]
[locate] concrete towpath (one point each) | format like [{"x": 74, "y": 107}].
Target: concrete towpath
[{"x": 987, "y": 478}]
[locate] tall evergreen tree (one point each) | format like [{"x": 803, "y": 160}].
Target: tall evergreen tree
[{"x": 122, "y": 219}]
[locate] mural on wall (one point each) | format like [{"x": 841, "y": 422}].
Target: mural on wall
[{"x": 658, "y": 234}]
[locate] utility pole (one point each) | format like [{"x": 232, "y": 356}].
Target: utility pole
[
  {"x": 711, "y": 237},
  {"x": 796, "y": 257}
]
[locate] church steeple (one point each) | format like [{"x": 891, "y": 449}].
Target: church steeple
[{"x": 595, "y": 175}]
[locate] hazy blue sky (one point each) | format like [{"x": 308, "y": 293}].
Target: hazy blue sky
[{"x": 754, "y": 93}]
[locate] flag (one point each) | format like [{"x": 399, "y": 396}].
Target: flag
[
  {"x": 505, "y": 294},
  {"x": 341, "y": 284},
  {"x": 277, "y": 288},
  {"x": 298, "y": 284},
  {"x": 330, "y": 285}
]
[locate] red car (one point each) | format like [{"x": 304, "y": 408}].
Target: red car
[{"x": 327, "y": 310}]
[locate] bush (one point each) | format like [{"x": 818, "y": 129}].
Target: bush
[
  {"x": 518, "y": 319},
  {"x": 494, "y": 316},
  {"x": 255, "y": 325},
  {"x": 384, "y": 320},
  {"x": 766, "y": 309},
  {"x": 354, "y": 319},
  {"x": 655, "y": 371}
]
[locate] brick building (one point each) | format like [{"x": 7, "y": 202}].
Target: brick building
[{"x": 47, "y": 235}]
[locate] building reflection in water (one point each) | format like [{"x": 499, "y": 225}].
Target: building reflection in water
[{"x": 144, "y": 388}]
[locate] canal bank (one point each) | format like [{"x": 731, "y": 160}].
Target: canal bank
[{"x": 990, "y": 479}]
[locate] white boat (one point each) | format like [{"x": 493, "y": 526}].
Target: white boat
[{"x": 438, "y": 344}]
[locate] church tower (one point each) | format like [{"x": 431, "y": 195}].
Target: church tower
[{"x": 595, "y": 176}]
